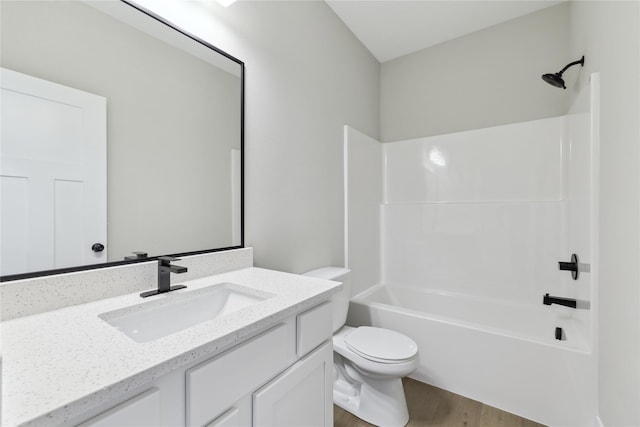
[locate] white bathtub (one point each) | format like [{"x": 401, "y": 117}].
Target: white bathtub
[{"x": 502, "y": 355}]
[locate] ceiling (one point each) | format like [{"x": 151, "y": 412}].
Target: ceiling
[{"x": 393, "y": 28}]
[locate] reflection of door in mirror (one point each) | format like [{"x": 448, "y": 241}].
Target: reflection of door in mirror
[
  {"x": 53, "y": 175},
  {"x": 175, "y": 110}
]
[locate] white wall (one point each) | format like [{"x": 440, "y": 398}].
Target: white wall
[
  {"x": 608, "y": 34},
  {"x": 306, "y": 76},
  {"x": 487, "y": 78},
  {"x": 363, "y": 196}
]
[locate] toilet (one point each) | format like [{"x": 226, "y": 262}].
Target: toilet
[{"x": 369, "y": 363}]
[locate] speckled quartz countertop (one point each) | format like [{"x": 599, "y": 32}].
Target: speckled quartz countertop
[{"x": 59, "y": 364}]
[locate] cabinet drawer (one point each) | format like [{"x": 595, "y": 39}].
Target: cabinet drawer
[
  {"x": 314, "y": 326},
  {"x": 213, "y": 386},
  {"x": 141, "y": 410}
]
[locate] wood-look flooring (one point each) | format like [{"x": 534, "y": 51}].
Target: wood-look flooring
[{"x": 433, "y": 407}]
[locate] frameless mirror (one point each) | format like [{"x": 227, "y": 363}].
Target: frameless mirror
[{"x": 120, "y": 134}]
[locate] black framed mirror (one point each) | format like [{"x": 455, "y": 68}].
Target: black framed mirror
[{"x": 168, "y": 109}]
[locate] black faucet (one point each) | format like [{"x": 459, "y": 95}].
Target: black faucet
[
  {"x": 567, "y": 302},
  {"x": 164, "y": 276}
]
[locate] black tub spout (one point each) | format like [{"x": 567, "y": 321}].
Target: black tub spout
[{"x": 567, "y": 302}]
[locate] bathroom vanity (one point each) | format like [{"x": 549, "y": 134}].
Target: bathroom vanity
[
  {"x": 239, "y": 345},
  {"x": 267, "y": 363}
]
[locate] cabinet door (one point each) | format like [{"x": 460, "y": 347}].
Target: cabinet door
[
  {"x": 141, "y": 410},
  {"x": 216, "y": 384},
  {"x": 239, "y": 415},
  {"x": 300, "y": 396}
]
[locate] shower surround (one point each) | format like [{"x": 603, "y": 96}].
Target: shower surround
[{"x": 470, "y": 228}]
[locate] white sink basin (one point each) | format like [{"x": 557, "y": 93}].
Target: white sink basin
[{"x": 181, "y": 310}]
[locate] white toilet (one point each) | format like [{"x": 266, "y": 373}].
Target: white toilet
[{"x": 369, "y": 362}]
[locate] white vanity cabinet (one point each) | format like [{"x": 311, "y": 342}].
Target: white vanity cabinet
[
  {"x": 214, "y": 386},
  {"x": 281, "y": 377},
  {"x": 300, "y": 396}
]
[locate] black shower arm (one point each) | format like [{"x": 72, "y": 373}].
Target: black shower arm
[{"x": 580, "y": 61}]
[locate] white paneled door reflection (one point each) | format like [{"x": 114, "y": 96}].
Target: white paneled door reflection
[{"x": 53, "y": 175}]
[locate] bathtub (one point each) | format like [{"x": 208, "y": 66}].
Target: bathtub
[{"x": 506, "y": 356}]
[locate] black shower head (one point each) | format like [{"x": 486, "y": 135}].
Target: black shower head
[{"x": 556, "y": 79}]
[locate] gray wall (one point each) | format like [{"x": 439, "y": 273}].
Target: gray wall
[
  {"x": 306, "y": 76},
  {"x": 608, "y": 34},
  {"x": 487, "y": 78},
  {"x": 169, "y": 139}
]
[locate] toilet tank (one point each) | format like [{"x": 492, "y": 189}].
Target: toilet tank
[{"x": 340, "y": 300}]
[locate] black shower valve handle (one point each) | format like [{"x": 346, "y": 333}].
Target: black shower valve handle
[
  {"x": 567, "y": 266},
  {"x": 570, "y": 266}
]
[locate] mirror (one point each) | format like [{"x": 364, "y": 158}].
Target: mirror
[{"x": 120, "y": 134}]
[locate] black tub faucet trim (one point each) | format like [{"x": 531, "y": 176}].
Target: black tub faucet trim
[
  {"x": 567, "y": 302},
  {"x": 571, "y": 266}
]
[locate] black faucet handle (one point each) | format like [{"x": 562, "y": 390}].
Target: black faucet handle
[
  {"x": 136, "y": 255},
  {"x": 166, "y": 260}
]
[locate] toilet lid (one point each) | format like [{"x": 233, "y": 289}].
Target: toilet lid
[{"x": 381, "y": 345}]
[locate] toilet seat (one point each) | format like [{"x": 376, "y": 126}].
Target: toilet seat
[
  {"x": 372, "y": 368},
  {"x": 381, "y": 345}
]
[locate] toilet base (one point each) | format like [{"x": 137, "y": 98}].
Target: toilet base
[{"x": 375, "y": 400}]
